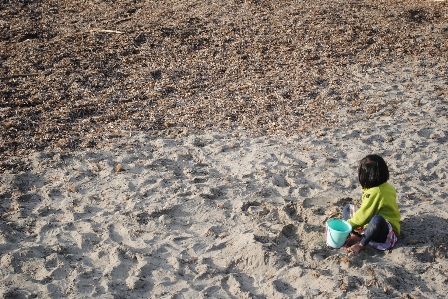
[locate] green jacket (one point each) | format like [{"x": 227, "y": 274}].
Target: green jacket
[{"x": 380, "y": 200}]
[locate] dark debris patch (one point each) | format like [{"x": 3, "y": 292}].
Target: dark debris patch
[{"x": 72, "y": 73}]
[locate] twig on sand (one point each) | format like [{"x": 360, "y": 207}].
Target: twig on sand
[
  {"x": 106, "y": 31},
  {"x": 122, "y": 20}
]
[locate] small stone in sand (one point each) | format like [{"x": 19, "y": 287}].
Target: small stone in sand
[{"x": 119, "y": 168}]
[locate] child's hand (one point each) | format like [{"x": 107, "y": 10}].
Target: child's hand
[
  {"x": 352, "y": 239},
  {"x": 360, "y": 230},
  {"x": 355, "y": 248}
]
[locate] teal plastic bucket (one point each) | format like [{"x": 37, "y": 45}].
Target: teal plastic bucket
[{"x": 337, "y": 232}]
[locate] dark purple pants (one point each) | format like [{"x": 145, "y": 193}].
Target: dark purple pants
[{"x": 376, "y": 231}]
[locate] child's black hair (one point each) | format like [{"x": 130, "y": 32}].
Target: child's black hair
[{"x": 372, "y": 171}]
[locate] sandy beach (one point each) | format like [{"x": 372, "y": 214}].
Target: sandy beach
[
  {"x": 228, "y": 216},
  {"x": 225, "y": 207}
]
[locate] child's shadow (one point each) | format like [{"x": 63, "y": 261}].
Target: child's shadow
[{"x": 425, "y": 231}]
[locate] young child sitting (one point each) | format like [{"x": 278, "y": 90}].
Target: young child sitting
[{"x": 377, "y": 221}]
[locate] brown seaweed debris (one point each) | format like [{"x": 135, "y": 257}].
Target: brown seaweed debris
[{"x": 72, "y": 72}]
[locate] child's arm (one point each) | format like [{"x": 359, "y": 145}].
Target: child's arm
[{"x": 368, "y": 209}]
